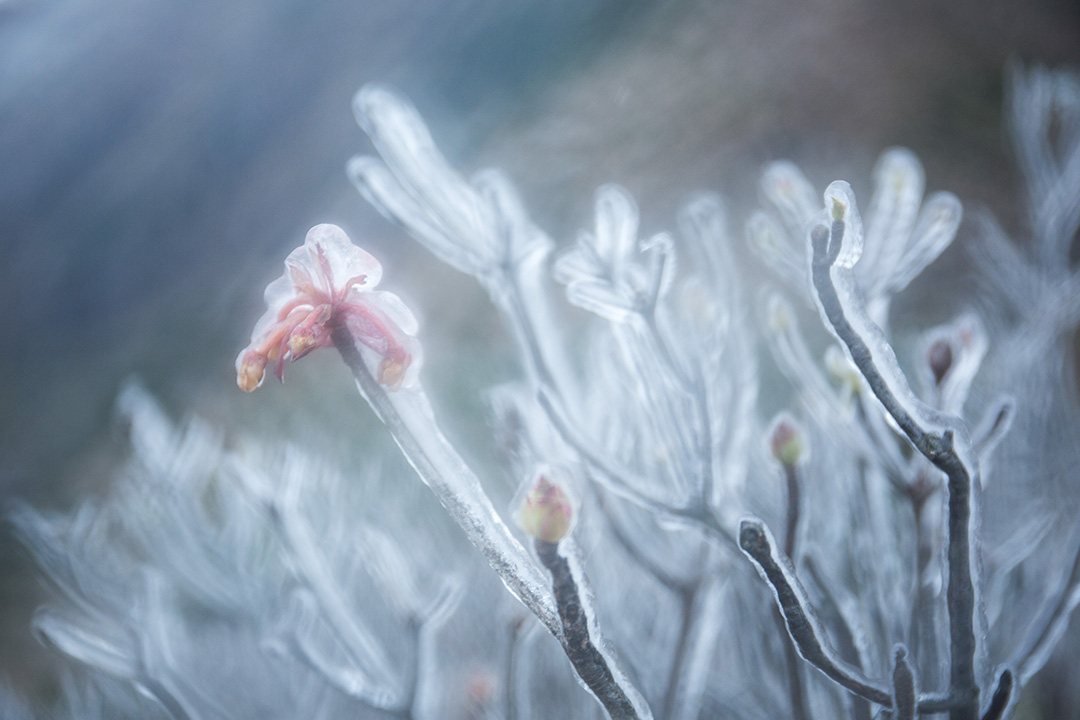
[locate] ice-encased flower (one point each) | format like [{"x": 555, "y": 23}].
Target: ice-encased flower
[{"x": 329, "y": 283}]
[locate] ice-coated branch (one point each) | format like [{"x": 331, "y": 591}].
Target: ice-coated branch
[
  {"x": 371, "y": 679},
  {"x": 326, "y": 297},
  {"x": 479, "y": 227},
  {"x": 701, "y": 627},
  {"x": 590, "y": 664},
  {"x": 614, "y": 479},
  {"x": 933, "y": 434},
  {"x": 802, "y": 623},
  {"x": 903, "y": 685},
  {"x": 1046, "y": 135},
  {"x": 547, "y": 512},
  {"x": 996, "y": 422},
  {"x": 1000, "y": 700},
  {"x": 807, "y": 632},
  {"x": 1051, "y": 623},
  {"x": 411, "y": 422}
]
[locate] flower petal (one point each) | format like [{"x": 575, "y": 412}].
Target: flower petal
[{"x": 329, "y": 253}]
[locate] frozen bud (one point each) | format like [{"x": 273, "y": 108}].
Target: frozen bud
[
  {"x": 843, "y": 370},
  {"x": 780, "y": 315},
  {"x": 765, "y": 236},
  {"x": 547, "y": 508},
  {"x": 940, "y": 358},
  {"x": 480, "y": 687},
  {"x": 787, "y": 441},
  {"x": 841, "y": 207}
]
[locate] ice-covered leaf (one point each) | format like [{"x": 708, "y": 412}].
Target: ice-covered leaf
[
  {"x": 898, "y": 190},
  {"x": 419, "y": 188},
  {"x": 935, "y": 230},
  {"x": 788, "y": 190}
]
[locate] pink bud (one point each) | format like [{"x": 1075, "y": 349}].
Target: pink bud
[
  {"x": 940, "y": 359},
  {"x": 786, "y": 442},
  {"x": 547, "y": 510}
]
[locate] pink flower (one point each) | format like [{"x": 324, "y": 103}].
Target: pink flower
[{"x": 328, "y": 284}]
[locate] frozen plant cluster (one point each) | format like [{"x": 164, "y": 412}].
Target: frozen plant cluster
[{"x": 899, "y": 542}]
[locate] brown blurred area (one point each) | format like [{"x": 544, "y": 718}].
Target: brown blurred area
[{"x": 159, "y": 160}]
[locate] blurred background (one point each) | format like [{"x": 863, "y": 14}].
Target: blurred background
[{"x": 159, "y": 159}]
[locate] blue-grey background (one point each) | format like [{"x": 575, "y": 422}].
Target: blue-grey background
[{"x": 158, "y": 159}]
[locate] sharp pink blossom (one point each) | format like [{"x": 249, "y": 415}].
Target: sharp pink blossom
[{"x": 328, "y": 284}]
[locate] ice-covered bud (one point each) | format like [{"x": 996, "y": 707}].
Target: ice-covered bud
[
  {"x": 765, "y": 236},
  {"x": 328, "y": 284},
  {"x": 547, "y": 507},
  {"x": 787, "y": 441},
  {"x": 393, "y": 366},
  {"x": 480, "y": 688},
  {"x": 948, "y": 358},
  {"x": 939, "y": 356},
  {"x": 841, "y": 207},
  {"x": 840, "y": 367},
  {"x": 779, "y": 315},
  {"x": 785, "y": 186}
]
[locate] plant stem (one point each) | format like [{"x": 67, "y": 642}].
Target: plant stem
[
  {"x": 939, "y": 450},
  {"x": 802, "y": 624},
  {"x": 410, "y": 421},
  {"x": 590, "y": 664}
]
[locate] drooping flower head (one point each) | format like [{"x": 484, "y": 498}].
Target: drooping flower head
[{"x": 328, "y": 284}]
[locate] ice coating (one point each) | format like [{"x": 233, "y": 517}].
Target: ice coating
[
  {"x": 572, "y": 552},
  {"x": 898, "y": 191},
  {"x": 841, "y": 208},
  {"x": 411, "y": 420},
  {"x": 785, "y": 186},
  {"x": 608, "y": 272},
  {"x": 414, "y": 184},
  {"x": 840, "y": 205},
  {"x": 328, "y": 282},
  {"x": 934, "y": 231}
]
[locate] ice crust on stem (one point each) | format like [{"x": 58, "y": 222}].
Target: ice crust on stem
[
  {"x": 941, "y": 438},
  {"x": 594, "y": 669},
  {"x": 411, "y": 421}
]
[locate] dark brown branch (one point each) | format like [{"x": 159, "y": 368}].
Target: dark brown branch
[{"x": 590, "y": 664}]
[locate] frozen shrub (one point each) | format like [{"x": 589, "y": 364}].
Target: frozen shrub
[{"x": 899, "y": 542}]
